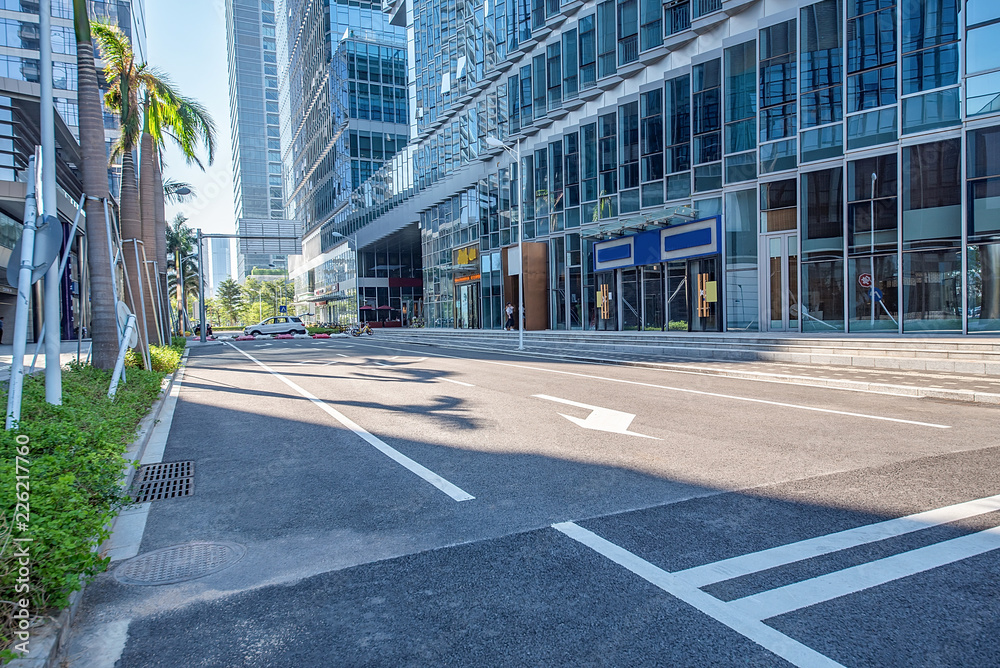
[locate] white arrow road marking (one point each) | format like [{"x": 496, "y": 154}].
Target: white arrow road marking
[{"x": 600, "y": 419}]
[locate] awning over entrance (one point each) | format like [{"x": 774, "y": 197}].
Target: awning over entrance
[{"x": 671, "y": 215}]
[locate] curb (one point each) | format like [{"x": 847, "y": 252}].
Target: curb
[
  {"x": 50, "y": 638},
  {"x": 968, "y": 396}
]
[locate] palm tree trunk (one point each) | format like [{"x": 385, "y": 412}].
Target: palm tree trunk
[
  {"x": 147, "y": 197},
  {"x": 180, "y": 291},
  {"x": 160, "y": 220},
  {"x": 103, "y": 330},
  {"x": 128, "y": 204}
]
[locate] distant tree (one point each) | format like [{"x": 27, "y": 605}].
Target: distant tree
[{"x": 230, "y": 298}]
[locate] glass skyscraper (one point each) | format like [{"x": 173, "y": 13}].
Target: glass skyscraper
[
  {"x": 344, "y": 112},
  {"x": 750, "y": 165}
]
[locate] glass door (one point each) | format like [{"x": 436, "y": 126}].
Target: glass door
[
  {"x": 630, "y": 299},
  {"x": 782, "y": 253},
  {"x": 653, "y": 302},
  {"x": 606, "y": 310}
]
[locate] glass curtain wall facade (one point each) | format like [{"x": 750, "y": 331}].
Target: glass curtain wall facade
[
  {"x": 343, "y": 112},
  {"x": 846, "y": 146}
]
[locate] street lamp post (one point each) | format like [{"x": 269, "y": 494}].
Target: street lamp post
[{"x": 522, "y": 312}]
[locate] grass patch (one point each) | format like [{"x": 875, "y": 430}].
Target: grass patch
[{"x": 75, "y": 466}]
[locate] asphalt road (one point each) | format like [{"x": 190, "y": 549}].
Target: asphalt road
[{"x": 413, "y": 506}]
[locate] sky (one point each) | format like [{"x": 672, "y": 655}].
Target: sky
[{"x": 187, "y": 40}]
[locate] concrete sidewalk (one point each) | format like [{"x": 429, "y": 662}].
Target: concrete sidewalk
[
  {"x": 67, "y": 354},
  {"x": 879, "y": 377}
]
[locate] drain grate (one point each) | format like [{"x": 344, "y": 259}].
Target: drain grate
[
  {"x": 179, "y": 563},
  {"x": 166, "y": 480}
]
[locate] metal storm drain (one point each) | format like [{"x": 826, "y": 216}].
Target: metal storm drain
[
  {"x": 167, "y": 480},
  {"x": 179, "y": 563}
]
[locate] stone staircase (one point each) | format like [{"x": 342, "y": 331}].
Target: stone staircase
[{"x": 969, "y": 355}]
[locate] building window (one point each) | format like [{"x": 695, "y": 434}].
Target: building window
[
  {"x": 982, "y": 58},
  {"x": 932, "y": 195},
  {"x": 628, "y": 156},
  {"x": 526, "y": 95},
  {"x": 628, "y": 31},
  {"x": 677, "y": 137},
  {"x": 538, "y": 66},
  {"x": 822, "y": 249},
  {"x": 676, "y": 16},
  {"x": 571, "y": 83},
  {"x": 651, "y": 173},
  {"x": 588, "y": 52},
  {"x": 606, "y": 43},
  {"x": 706, "y": 112},
  {"x": 821, "y": 83},
  {"x": 778, "y": 206},
  {"x": 741, "y": 112},
  {"x": 929, "y": 48},
  {"x": 571, "y": 158},
  {"x": 553, "y": 61},
  {"x": 651, "y": 18},
  {"x": 588, "y": 135},
  {"x": 607, "y": 206}
]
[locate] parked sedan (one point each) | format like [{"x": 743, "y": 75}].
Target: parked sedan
[{"x": 281, "y": 324}]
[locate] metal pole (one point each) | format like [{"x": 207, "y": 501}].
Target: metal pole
[
  {"x": 42, "y": 335},
  {"x": 16, "y": 383},
  {"x": 114, "y": 274},
  {"x": 871, "y": 257},
  {"x": 201, "y": 289},
  {"x": 53, "y": 366},
  {"x": 120, "y": 362},
  {"x": 522, "y": 316}
]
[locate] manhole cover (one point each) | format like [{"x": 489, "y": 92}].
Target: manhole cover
[
  {"x": 178, "y": 563},
  {"x": 166, "y": 480}
]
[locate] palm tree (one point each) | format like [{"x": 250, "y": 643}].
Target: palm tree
[
  {"x": 125, "y": 79},
  {"x": 187, "y": 123},
  {"x": 180, "y": 242},
  {"x": 162, "y": 113},
  {"x": 103, "y": 329}
]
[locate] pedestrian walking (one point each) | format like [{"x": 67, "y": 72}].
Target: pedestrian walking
[{"x": 509, "y": 310}]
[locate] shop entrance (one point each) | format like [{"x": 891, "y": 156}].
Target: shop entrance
[
  {"x": 467, "y": 305},
  {"x": 782, "y": 287}
]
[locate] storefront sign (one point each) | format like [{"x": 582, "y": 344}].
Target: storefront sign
[{"x": 699, "y": 238}]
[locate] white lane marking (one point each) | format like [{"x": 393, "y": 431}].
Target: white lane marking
[
  {"x": 448, "y": 488},
  {"x": 600, "y": 419},
  {"x": 341, "y": 355},
  {"x": 803, "y": 594},
  {"x": 735, "y": 567},
  {"x": 382, "y": 364},
  {"x": 787, "y": 648},
  {"x": 697, "y": 392},
  {"x": 457, "y": 382}
]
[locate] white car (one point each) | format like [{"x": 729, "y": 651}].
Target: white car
[{"x": 282, "y": 324}]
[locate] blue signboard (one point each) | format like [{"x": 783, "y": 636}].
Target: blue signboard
[
  {"x": 282, "y": 309},
  {"x": 698, "y": 238}
]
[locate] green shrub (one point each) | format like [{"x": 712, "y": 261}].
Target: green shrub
[
  {"x": 678, "y": 326},
  {"x": 164, "y": 360},
  {"x": 179, "y": 343},
  {"x": 75, "y": 466}
]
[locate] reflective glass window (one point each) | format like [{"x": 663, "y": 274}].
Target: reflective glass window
[
  {"x": 932, "y": 194},
  {"x": 822, "y": 214}
]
